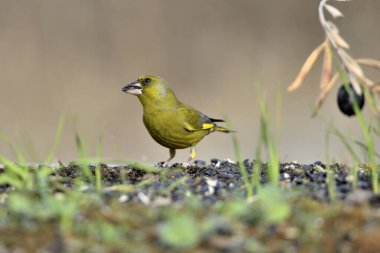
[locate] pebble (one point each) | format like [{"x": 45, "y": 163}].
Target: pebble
[
  {"x": 123, "y": 198},
  {"x": 231, "y": 161},
  {"x": 143, "y": 198},
  {"x": 199, "y": 163},
  {"x": 214, "y": 161}
]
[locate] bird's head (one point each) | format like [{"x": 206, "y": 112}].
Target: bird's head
[{"x": 150, "y": 88}]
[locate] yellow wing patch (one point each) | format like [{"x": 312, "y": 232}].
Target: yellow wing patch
[{"x": 205, "y": 126}]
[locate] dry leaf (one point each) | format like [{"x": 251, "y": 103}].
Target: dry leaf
[
  {"x": 350, "y": 63},
  {"x": 333, "y": 34},
  {"x": 331, "y": 27},
  {"x": 354, "y": 81},
  {"x": 372, "y": 63},
  {"x": 366, "y": 81},
  {"x": 335, "y": 13},
  {"x": 325, "y": 91},
  {"x": 353, "y": 70},
  {"x": 327, "y": 65},
  {"x": 306, "y": 68},
  {"x": 339, "y": 40}
]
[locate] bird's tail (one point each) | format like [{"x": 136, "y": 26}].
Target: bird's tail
[
  {"x": 219, "y": 128},
  {"x": 223, "y": 129}
]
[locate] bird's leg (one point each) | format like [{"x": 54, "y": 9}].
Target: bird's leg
[
  {"x": 192, "y": 155},
  {"x": 166, "y": 162}
]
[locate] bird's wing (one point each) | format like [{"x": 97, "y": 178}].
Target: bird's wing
[
  {"x": 195, "y": 120},
  {"x": 216, "y": 120}
]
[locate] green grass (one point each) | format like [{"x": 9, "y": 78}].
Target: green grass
[
  {"x": 368, "y": 146},
  {"x": 267, "y": 144},
  {"x": 367, "y": 133},
  {"x": 362, "y": 149}
]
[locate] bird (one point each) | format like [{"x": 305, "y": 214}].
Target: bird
[{"x": 171, "y": 123}]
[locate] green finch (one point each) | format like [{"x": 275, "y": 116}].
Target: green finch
[{"x": 170, "y": 122}]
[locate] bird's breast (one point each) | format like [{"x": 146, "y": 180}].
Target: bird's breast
[{"x": 167, "y": 128}]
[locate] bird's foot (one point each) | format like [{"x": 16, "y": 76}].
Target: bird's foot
[{"x": 189, "y": 162}]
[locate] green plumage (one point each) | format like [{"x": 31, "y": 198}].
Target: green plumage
[{"x": 170, "y": 122}]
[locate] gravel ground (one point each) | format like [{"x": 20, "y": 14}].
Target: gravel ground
[{"x": 217, "y": 179}]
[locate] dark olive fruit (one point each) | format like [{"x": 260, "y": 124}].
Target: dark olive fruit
[{"x": 345, "y": 103}]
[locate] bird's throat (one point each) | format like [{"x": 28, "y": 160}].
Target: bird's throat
[{"x": 160, "y": 99}]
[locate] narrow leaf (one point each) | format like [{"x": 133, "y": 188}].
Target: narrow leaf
[
  {"x": 80, "y": 147},
  {"x": 57, "y": 139},
  {"x": 335, "y": 13},
  {"x": 306, "y": 68},
  {"x": 372, "y": 63},
  {"x": 326, "y": 89},
  {"x": 351, "y": 63},
  {"x": 366, "y": 81},
  {"x": 355, "y": 83},
  {"x": 354, "y": 72},
  {"x": 332, "y": 27},
  {"x": 327, "y": 66},
  {"x": 339, "y": 40},
  {"x": 332, "y": 32}
]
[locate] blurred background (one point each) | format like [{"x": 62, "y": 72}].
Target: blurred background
[{"x": 73, "y": 57}]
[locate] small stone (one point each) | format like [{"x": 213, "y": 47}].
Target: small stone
[
  {"x": 174, "y": 165},
  {"x": 123, "y": 198},
  {"x": 209, "y": 172},
  {"x": 211, "y": 186},
  {"x": 231, "y": 161},
  {"x": 214, "y": 160},
  {"x": 290, "y": 167},
  {"x": 350, "y": 178},
  {"x": 143, "y": 198},
  {"x": 246, "y": 163},
  {"x": 161, "y": 201},
  {"x": 226, "y": 174},
  {"x": 199, "y": 163}
]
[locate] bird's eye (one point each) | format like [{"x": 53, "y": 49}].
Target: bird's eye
[{"x": 147, "y": 80}]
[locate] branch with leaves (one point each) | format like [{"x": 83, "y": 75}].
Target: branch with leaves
[{"x": 335, "y": 46}]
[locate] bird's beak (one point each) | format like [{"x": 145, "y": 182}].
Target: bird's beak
[{"x": 133, "y": 88}]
